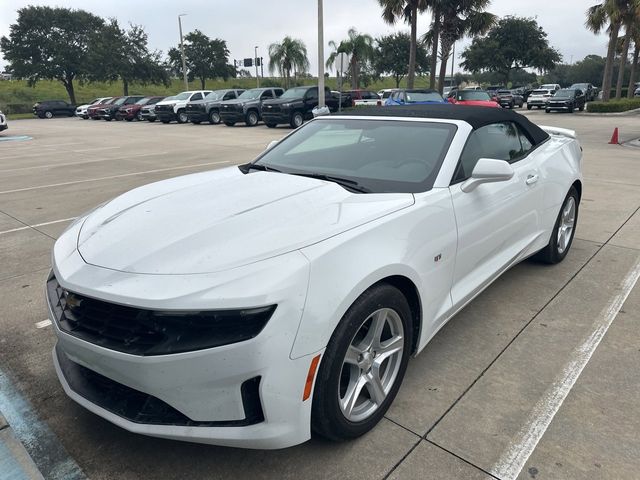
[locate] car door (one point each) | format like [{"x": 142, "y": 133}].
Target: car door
[
  {"x": 497, "y": 222},
  {"x": 310, "y": 101}
]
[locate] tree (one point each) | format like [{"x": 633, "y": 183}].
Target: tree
[
  {"x": 635, "y": 35},
  {"x": 630, "y": 17},
  {"x": 392, "y": 56},
  {"x": 360, "y": 47},
  {"x": 607, "y": 14},
  {"x": 290, "y": 54},
  {"x": 512, "y": 44},
  {"x": 51, "y": 44},
  {"x": 392, "y": 11},
  {"x": 460, "y": 18},
  {"x": 118, "y": 54},
  {"x": 205, "y": 58}
]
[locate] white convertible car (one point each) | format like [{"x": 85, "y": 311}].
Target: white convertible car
[{"x": 254, "y": 306}]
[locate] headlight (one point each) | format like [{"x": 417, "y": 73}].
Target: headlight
[
  {"x": 285, "y": 105},
  {"x": 144, "y": 332}
]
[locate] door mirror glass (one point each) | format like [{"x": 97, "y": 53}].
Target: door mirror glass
[{"x": 488, "y": 170}]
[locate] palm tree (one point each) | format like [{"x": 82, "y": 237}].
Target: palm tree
[
  {"x": 392, "y": 11},
  {"x": 630, "y": 17},
  {"x": 606, "y": 14},
  {"x": 289, "y": 55},
  {"x": 460, "y": 18},
  {"x": 635, "y": 35},
  {"x": 359, "y": 46}
]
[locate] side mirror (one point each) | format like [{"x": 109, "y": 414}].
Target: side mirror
[
  {"x": 488, "y": 170},
  {"x": 272, "y": 144}
]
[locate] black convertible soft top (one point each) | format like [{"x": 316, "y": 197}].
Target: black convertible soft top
[{"x": 477, "y": 117}]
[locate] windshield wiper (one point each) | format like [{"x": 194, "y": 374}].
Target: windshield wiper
[
  {"x": 257, "y": 166},
  {"x": 343, "y": 182}
]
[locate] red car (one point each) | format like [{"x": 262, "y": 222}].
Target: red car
[
  {"x": 131, "y": 112},
  {"x": 473, "y": 97},
  {"x": 92, "y": 111}
]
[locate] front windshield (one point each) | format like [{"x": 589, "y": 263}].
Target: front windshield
[
  {"x": 565, "y": 93},
  {"x": 540, "y": 92},
  {"x": 413, "y": 97},
  {"x": 143, "y": 101},
  {"x": 297, "y": 92},
  {"x": 380, "y": 155},
  {"x": 251, "y": 94},
  {"x": 216, "y": 95},
  {"x": 120, "y": 101},
  {"x": 182, "y": 96},
  {"x": 473, "y": 95}
]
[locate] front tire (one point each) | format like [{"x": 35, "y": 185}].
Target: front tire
[
  {"x": 563, "y": 231},
  {"x": 364, "y": 364},
  {"x": 252, "y": 119},
  {"x": 271, "y": 125},
  {"x": 182, "y": 117},
  {"x": 48, "y": 114},
  {"x": 214, "y": 117}
]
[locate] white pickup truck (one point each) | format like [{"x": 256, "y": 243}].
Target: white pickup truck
[{"x": 174, "y": 108}]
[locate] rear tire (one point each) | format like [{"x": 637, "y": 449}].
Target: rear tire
[
  {"x": 563, "y": 231},
  {"x": 271, "y": 125},
  {"x": 48, "y": 114},
  {"x": 165, "y": 121},
  {"x": 296, "y": 120},
  {"x": 528, "y": 107},
  {"x": 363, "y": 366},
  {"x": 196, "y": 122},
  {"x": 214, "y": 117}
]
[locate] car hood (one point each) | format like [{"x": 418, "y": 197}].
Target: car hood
[
  {"x": 478, "y": 103},
  {"x": 170, "y": 102},
  {"x": 223, "y": 219}
]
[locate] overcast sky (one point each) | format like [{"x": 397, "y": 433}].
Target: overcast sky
[{"x": 247, "y": 23}]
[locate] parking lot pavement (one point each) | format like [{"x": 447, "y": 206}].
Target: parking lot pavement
[{"x": 489, "y": 384}]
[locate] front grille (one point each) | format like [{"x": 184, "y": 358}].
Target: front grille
[
  {"x": 138, "y": 331},
  {"x": 139, "y": 407},
  {"x": 271, "y": 108},
  {"x": 164, "y": 109}
]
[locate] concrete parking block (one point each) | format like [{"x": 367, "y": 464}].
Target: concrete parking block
[
  {"x": 482, "y": 425},
  {"x": 15, "y": 462},
  {"x": 459, "y": 353},
  {"x": 429, "y": 461}
]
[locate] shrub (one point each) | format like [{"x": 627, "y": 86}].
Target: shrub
[{"x": 622, "y": 105}]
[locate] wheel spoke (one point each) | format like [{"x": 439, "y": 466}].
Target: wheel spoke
[
  {"x": 374, "y": 386},
  {"x": 352, "y": 355},
  {"x": 352, "y": 394},
  {"x": 378, "y": 322},
  {"x": 389, "y": 348}
]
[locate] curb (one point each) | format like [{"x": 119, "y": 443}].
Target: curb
[
  {"x": 15, "y": 461},
  {"x": 628, "y": 113}
]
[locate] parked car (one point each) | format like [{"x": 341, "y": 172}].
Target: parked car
[
  {"x": 492, "y": 90},
  {"x": 175, "y": 109},
  {"x": 3, "y": 122},
  {"x": 636, "y": 93},
  {"x": 385, "y": 93},
  {"x": 53, "y": 108},
  {"x": 476, "y": 98},
  {"x": 414, "y": 96},
  {"x": 92, "y": 111},
  {"x": 247, "y": 107},
  {"x": 81, "y": 111},
  {"x": 254, "y": 305},
  {"x": 111, "y": 111},
  {"x": 509, "y": 98},
  {"x": 131, "y": 111},
  {"x": 539, "y": 98},
  {"x": 567, "y": 100},
  {"x": 550, "y": 86},
  {"x": 295, "y": 106},
  {"x": 344, "y": 98},
  {"x": 148, "y": 112},
  {"x": 590, "y": 92},
  {"x": 363, "y": 97},
  {"x": 207, "y": 109}
]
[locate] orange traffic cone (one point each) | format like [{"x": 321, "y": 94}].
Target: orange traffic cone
[{"x": 614, "y": 137}]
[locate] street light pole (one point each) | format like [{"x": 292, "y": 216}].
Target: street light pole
[
  {"x": 184, "y": 61},
  {"x": 255, "y": 61},
  {"x": 321, "y": 99}
]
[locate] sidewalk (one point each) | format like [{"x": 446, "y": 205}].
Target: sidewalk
[{"x": 15, "y": 462}]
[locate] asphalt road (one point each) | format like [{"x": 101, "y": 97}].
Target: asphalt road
[{"x": 538, "y": 378}]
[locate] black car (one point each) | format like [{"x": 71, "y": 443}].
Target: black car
[
  {"x": 53, "y": 108},
  {"x": 510, "y": 98},
  {"x": 110, "y": 111},
  {"x": 566, "y": 100},
  {"x": 207, "y": 109},
  {"x": 295, "y": 106},
  {"x": 247, "y": 107},
  {"x": 590, "y": 92}
]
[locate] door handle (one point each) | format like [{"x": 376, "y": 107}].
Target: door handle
[{"x": 531, "y": 179}]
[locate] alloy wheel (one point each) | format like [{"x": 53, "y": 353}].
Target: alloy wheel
[
  {"x": 371, "y": 365},
  {"x": 567, "y": 223}
]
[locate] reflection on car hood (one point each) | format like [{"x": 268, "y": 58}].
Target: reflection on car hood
[{"x": 223, "y": 219}]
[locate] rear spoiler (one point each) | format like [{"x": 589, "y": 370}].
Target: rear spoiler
[{"x": 565, "y": 132}]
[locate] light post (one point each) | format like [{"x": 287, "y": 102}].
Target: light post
[
  {"x": 184, "y": 61},
  {"x": 321, "y": 57},
  {"x": 255, "y": 61}
]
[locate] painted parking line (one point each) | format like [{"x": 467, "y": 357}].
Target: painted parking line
[
  {"x": 56, "y": 165},
  {"x": 93, "y": 149},
  {"x": 43, "y": 324},
  {"x": 110, "y": 177},
  {"x": 513, "y": 460},
  {"x": 27, "y": 227}
]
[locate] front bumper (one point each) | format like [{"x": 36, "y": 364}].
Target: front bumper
[
  {"x": 232, "y": 116},
  {"x": 537, "y": 103},
  {"x": 560, "y": 106},
  {"x": 283, "y": 116},
  {"x": 204, "y": 386}
]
